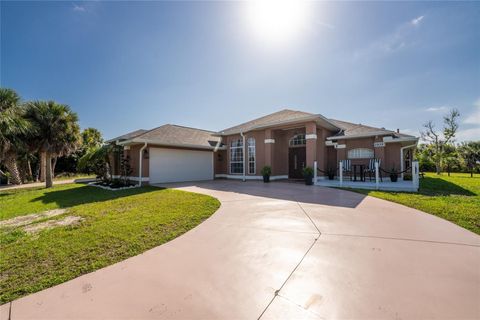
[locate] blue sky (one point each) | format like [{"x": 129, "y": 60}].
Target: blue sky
[{"x": 123, "y": 66}]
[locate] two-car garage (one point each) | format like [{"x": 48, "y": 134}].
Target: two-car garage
[{"x": 176, "y": 165}]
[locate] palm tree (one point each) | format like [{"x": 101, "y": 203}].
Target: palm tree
[
  {"x": 57, "y": 131},
  {"x": 13, "y": 128}
]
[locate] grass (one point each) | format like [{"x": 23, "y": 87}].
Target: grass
[
  {"x": 75, "y": 176},
  {"x": 116, "y": 225},
  {"x": 455, "y": 198}
]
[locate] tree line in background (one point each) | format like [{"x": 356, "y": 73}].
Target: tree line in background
[
  {"x": 38, "y": 138},
  {"x": 441, "y": 153}
]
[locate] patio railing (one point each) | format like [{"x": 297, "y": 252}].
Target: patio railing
[{"x": 378, "y": 182}]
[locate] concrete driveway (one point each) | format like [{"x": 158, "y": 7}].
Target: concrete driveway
[{"x": 284, "y": 251}]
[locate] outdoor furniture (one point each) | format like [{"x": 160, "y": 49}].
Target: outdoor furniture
[
  {"x": 371, "y": 168},
  {"x": 347, "y": 168},
  {"x": 360, "y": 168}
]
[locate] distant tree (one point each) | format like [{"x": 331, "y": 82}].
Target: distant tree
[
  {"x": 440, "y": 139},
  {"x": 424, "y": 154},
  {"x": 470, "y": 153},
  {"x": 451, "y": 159},
  {"x": 91, "y": 139},
  {"x": 13, "y": 129},
  {"x": 98, "y": 161},
  {"x": 58, "y": 132}
]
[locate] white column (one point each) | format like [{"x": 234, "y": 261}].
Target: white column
[
  {"x": 340, "y": 171},
  {"x": 314, "y": 172},
  {"x": 377, "y": 175},
  {"x": 415, "y": 175}
]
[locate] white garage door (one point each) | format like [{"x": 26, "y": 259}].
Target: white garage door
[{"x": 175, "y": 165}]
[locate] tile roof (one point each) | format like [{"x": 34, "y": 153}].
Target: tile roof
[
  {"x": 351, "y": 129},
  {"x": 175, "y": 135},
  {"x": 270, "y": 119},
  {"x": 170, "y": 134}
]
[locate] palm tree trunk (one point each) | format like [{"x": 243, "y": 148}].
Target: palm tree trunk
[
  {"x": 29, "y": 169},
  {"x": 43, "y": 166},
  {"x": 53, "y": 166},
  {"x": 11, "y": 164},
  {"x": 48, "y": 171}
]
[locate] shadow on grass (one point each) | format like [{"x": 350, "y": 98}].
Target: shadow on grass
[
  {"x": 440, "y": 187},
  {"x": 87, "y": 194}
]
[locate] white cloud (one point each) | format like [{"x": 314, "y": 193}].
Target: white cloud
[
  {"x": 78, "y": 8},
  {"x": 401, "y": 38},
  {"x": 437, "y": 109},
  {"x": 474, "y": 117},
  {"x": 412, "y": 132},
  {"x": 417, "y": 20},
  {"x": 472, "y": 134}
]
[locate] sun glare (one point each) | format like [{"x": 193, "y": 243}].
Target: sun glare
[{"x": 277, "y": 21}]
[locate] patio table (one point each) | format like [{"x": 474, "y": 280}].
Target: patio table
[{"x": 362, "y": 173}]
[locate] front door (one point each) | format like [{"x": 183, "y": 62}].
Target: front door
[{"x": 296, "y": 162}]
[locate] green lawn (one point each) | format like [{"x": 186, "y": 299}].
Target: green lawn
[
  {"x": 75, "y": 176},
  {"x": 116, "y": 225},
  {"x": 455, "y": 198}
]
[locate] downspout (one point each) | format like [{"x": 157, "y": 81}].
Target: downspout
[
  {"x": 140, "y": 161},
  {"x": 244, "y": 155},
  {"x": 401, "y": 157}
]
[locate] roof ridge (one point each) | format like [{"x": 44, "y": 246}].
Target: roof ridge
[
  {"x": 360, "y": 125},
  {"x": 187, "y": 127},
  {"x": 265, "y": 116}
]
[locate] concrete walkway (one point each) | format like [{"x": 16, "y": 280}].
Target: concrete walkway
[{"x": 284, "y": 251}]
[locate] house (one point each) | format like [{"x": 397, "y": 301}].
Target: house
[{"x": 286, "y": 140}]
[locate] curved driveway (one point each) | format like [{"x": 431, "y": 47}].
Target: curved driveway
[{"x": 284, "y": 250}]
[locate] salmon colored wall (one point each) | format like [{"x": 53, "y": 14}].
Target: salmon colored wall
[
  {"x": 221, "y": 162},
  {"x": 331, "y": 158},
  {"x": 280, "y": 153},
  {"x": 392, "y": 156},
  {"x": 134, "y": 163}
]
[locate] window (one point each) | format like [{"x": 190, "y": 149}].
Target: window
[
  {"x": 251, "y": 155},
  {"x": 236, "y": 156},
  {"x": 297, "y": 140},
  {"x": 360, "y": 153}
]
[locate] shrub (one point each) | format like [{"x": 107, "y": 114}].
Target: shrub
[
  {"x": 307, "y": 172},
  {"x": 266, "y": 171}
]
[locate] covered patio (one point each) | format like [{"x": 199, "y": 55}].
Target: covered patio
[{"x": 377, "y": 183}]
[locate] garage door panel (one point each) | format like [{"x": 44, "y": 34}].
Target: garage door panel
[{"x": 176, "y": 165}]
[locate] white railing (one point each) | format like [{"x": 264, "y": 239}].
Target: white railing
[
  {"x": 340, "y": 171},
  {"x": 415, "y": 174}
]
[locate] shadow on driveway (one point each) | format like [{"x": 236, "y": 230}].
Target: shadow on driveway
[{"x": 282, "y": 190}]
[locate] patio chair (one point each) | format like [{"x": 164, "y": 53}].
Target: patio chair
[
  {"x": 347, "y": 168},
  {"x": 371, "y": 168}
]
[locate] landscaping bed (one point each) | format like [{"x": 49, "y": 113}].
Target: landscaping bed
[
  {"x": 455, "y": 198},
  {"x": 49, "y": 236}
]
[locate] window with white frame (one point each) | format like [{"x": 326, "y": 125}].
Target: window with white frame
[
  {"x": 298, "y": 140},
  {"x": 251, "y": 155},
  {"x": 236, "y": 156},
  {"x": 360, "y": 153}
]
